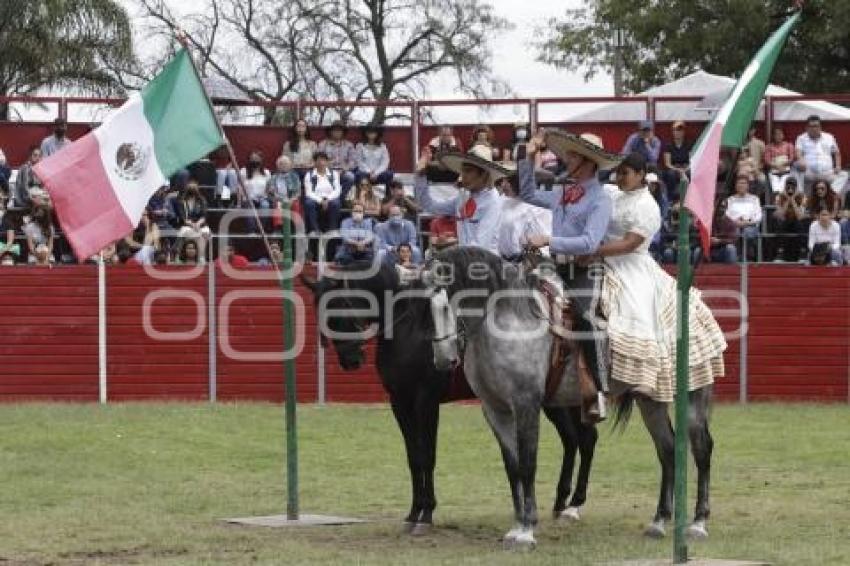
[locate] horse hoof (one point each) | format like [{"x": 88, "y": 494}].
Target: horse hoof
[
  {"x": 420, "y": 529},
  {"x": 570, "y": 515},
  {"x": 697, "y": 530},
  {"x": 655, "y": 530}
]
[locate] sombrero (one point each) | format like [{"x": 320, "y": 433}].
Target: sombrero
[
  {"x": 587, "y": 145},
  {"x": 477, "y": 156}
]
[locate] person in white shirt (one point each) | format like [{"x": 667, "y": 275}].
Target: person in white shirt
[
  {"x": 744, "y": 209},
  {"x": 519, "y": 220},
  {"x": 825, "y": 239},
  {"x": 255, "y": 179},
  {"x": 321, "y": 194},
  {"x": 818, "y": 156}
]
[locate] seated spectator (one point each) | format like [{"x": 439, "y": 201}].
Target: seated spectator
[
  {"x": 284, "y": 187},
  {"x": 358, "y": 237},
  {"x": 395, "y": 197},
  {"x": 745, "y": 211},
  {"x": 788, "y": 218},
  {"x": 189, "y": 254},
  {"x": 825, "y": 240},
  {"x": 58, "y": 140},
  {"x": 7, "y": 235},
  {"x": 676, "y": 156},
  {"x": 755, "y": 151},
  {"x": 365, "y": 196},
  {"x": 659, "y": 193},
  {"x": 724, "y": 235},
  {"x": 823, "y": 197},
  {"x": 232, "y": 258},
  {"x": 39, "y": 230},
  {"x": 443, "y": 234},
  {"x": 321, "y": 195},
  {"x": 300, "y": 148},
  {"x": 204, "y": 172},
  {"x": 109, "y": 255},
  {"x": 645, "y": 142},
  {"x": 483, "y": 136},
  {"x": 818, "y": 156},
  {"x": 669, "y": 239},
  {"x": 778, "y": 158},
  {"x": 373, "y": 158},
  {"x": 519, "y": 141},
  {"x": 7, "y": 258},
  {"x": 342, "y": 156},
  {"x": 28, "y": 188},
  {"x": 394, "y": 232},
  {"x": 445, "y": 141},
  {"x": 844, "y": 221},
  {"x": 226, "y": 178},
  {"x": 144, "y": 241},
  {"x": 757, "y": 187},
  {"x": 5, "y": 174},
  {"x": 42, "y": 256},
  {"x": 255, "y": 178},
  {"x": 192, "y": 218}
]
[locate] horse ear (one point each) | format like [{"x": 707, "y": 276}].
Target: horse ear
[{"x": 309, "y": 282}]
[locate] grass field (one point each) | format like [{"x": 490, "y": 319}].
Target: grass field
[{"x": 147, "y": 484}]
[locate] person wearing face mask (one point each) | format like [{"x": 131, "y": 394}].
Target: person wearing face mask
[
  {"x": 519, "y": 142},
  {"x": 255, "y": 178},
  {"x": 53, "y": 143},
  {"x": 394, "y": 232},
  {"x": 358, "y": 237}
]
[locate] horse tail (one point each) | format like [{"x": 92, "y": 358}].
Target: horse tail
[{"x": 624, "y": 404}]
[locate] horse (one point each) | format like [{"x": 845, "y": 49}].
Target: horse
[
  {"x": 403, "y": 326},
  {"x": 508, "y": 371}
]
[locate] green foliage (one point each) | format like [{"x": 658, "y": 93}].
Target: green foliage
[
  {"x": 671, "y": 38},
  {"x": 71, "y": 44}
]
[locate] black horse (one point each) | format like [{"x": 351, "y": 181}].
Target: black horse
[{"x": 355, "y": 304}]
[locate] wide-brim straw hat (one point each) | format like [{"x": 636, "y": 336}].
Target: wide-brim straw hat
[
  {"x": 587, "y": 145},
  {"x": 478, "y": 156}
]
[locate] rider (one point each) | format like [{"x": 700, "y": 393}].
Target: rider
[{"x": 581, "y": 211}]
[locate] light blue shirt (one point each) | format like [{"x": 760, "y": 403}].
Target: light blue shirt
[
  {"x": 578, "y": 228},
  {"x": 362, "y": 231},
  {"x": 482, "y": 229},
  {"x": 392, "y": 236}
]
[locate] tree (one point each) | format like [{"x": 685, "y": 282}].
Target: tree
[
  {"x": 671, "y": 38},
  {"x": 338, "y": 49},
  {"x": 62, "y": 44}
]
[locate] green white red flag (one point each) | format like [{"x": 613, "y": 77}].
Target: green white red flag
[{"x": 101, "y": 183}]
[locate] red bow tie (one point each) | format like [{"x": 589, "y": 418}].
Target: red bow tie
[
  {"x": 468, "y": 209},
  {"x": 572, "y": 194}
]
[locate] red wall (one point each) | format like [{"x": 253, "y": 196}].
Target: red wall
[{"x": 799, "y": 341}]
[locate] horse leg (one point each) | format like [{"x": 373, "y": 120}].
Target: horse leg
[
  {"x": 528, "y": 437},
  {"x": 561, "y": 420},
  {"x": 657, "y": 422},
  {"x": 504, "y": 428},
  {"x": 701, "y": 446},
  {"x": 403, "y": 412},
  {"x": 587, "y": 436},
  {"x": 428, "y": 419}
]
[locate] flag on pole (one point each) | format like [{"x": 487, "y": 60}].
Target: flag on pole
[
  {"x": 101, "y": 183},
  {"x": 729, "y": 127}
]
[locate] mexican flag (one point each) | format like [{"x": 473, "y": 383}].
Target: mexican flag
[
  {"x": 729, "y": 127},
  {"x": 101, "y": 183}
]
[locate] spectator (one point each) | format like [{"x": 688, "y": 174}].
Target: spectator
[
  {"x": 394, "y": 232},
  {"x": 676, "y": 156},
  {"x": 723, "y": 236},
  {"x": 7, "y": 258},
  {"x": 192, "y": 218},
  {"x": 788, "y": 218},
  {"x": 53, "y": 143},
  {"x": 645, "y": 142},
  {"x": 396, "y": 197},
  {"x": 745, "y": 210},
  {"x": 7, "y": 235},
  {"x": 5, "y": 173},
  {"x": 844, "y": 221},
  {"x": 189, "y": 254},
  {"x": 825, "y": 240},
  {"x": 445, "y": 141},
  {"x": 300, "y": 148},
  {"x": 373, "y": 158},
  {"x": 659, "y": 193},
  {"x": 163, "y": 212},
  {"x": 365, "y": 196},
  {"x": 321, "y": 192},
  {"x": 519, "y": 142},
  {"x": 823, "y": 197},
  {"x": 483, "y": 136},
  {"x": 443, "y": 234},
  {"x": 518, "y": 221},
  {"x": 284, "y": 187},
  {"x": 144, "y": 241},
  {"x": 204, "y": 172},
  {"x": 342, "y": 156},
  {"x": 39, "y": 230},
  {"x": 755, "y": 149},
  {"x": 778, "y": 158},
  {"x": 226, "y": 178},
  {"x": 42, "y": 256},
  {"x": 358, "y": 237},
  {"x": 818, "y": 156},
  {"x": 28, "y": 187},
  {"x": 758, "y": 188},
  {"x": 255, "y": 178},
  {"x": 232, "y": 258},
  {"x": 405, "y": 256}
]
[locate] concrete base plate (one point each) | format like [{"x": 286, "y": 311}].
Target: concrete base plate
[
  {"x": 302, "y": 521},
  {"x": 691, "y": 562}
]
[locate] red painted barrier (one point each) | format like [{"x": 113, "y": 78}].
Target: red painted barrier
[{"x": 798, "y": 343}]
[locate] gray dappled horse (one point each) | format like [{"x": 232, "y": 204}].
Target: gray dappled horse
[
  {"x": 506, "y": 361},
  {"x": 405, "y": 334}
]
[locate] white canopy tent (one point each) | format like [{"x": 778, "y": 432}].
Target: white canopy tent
[{"x": 710, "y": 88}]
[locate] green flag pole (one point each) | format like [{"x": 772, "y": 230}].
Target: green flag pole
[
  {"x": 289, "y": 371},
  {"x": 683, "y": 285}
]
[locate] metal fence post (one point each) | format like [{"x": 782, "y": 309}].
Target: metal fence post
[
  {"x": 742, "y": 350},
  {"x": 101, "y": 331},
  {"x": 212, "y": 331}
]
